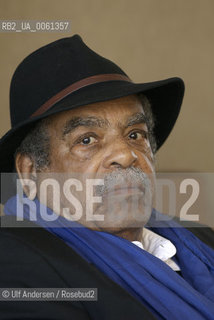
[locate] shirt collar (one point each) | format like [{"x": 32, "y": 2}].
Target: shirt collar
[{"x": 158, "y": 246}]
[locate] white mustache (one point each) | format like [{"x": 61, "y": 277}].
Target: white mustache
[{"x": 124, "y": 178}]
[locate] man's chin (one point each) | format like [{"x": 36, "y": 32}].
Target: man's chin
[
  {"x": 117, "y": 217},
  {"x": 116, "y": 225}
]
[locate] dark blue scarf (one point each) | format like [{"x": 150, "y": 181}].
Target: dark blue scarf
[{"x": 146, "y": 277}]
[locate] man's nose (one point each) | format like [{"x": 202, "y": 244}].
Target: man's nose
[{"x": 119, "y": 156}]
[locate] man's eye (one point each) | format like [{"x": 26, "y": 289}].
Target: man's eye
[
  {"x": 138, "y": 135},
  {"x": 87, "y": 140}
]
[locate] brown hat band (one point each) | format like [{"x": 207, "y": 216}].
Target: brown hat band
[{"x": 79, "y": 85}]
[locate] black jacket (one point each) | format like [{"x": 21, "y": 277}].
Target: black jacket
[{"x": 34, "y": 258}]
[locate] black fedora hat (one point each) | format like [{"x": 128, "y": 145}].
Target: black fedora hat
[{"x": 66, "y": 74}]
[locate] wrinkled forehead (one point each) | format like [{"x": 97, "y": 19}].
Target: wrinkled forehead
[{"x": 111, "y": 112}]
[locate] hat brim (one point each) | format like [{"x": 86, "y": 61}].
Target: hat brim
[{"x": 165, "y": 96}]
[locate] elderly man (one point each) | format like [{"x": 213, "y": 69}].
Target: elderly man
[{"x": 82, "y": 144}]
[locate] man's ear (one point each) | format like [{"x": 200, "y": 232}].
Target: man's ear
[{"x": 27, "y": 174}]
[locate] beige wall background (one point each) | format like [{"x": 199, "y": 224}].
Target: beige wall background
[{"x": 150, "y": 40}]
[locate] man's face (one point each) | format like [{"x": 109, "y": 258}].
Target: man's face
[{"x": 104, "y": 140}]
